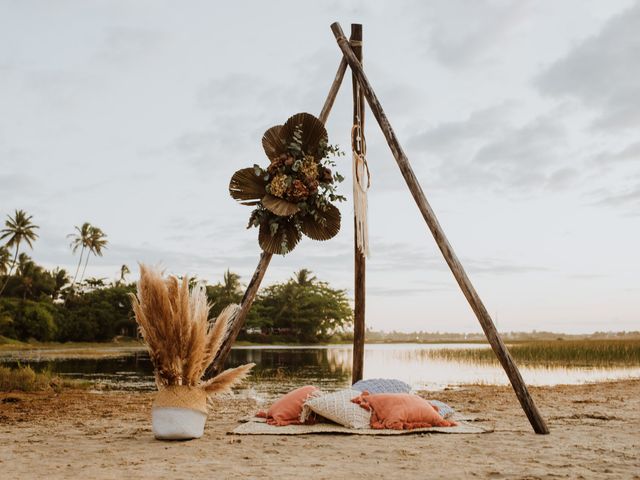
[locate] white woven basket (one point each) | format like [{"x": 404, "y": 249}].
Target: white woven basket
[{"x": 179, "y": 413}]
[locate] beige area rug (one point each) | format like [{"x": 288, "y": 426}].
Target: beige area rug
[{"x": 259, "y": 426}]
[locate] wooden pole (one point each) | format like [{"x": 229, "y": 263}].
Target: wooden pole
[
  {"x": 333, "y": 91},
  {"x": 237, "y": 322},
  {"x": 250, "y": 293},
  {"x": 429, "y": 216},
  {"x": 359, "y": 256}
]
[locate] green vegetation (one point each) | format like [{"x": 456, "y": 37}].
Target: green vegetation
[
  {"x": 24, "y": 379},
  {"x": 559, "y": 352},
  {"x": 301, "y": 310},
  {"x": 49, "y": 306},
  {"x": 373, "y": 336},
  {"x": 43, "y": 305}
]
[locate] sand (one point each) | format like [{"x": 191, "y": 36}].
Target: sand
[{"x": 86, "y": 435}]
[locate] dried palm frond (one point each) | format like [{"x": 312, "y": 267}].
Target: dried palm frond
[
  {"x": 246, "y": 187},
  {"x": 222, "y": 383},
  {"x": 273, "y": 143},
  {"x": 326, "y": 226},
  {"x": 182, "y": 342},
  {"x": 279, "y": 206},
  {"x": 313, "y": 131},
  {"x": 285, "y": 238}
]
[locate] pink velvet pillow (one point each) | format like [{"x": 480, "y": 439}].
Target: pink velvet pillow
[
  {"x": 287, "y": 410},
  {"x": 400, "y": 411}
]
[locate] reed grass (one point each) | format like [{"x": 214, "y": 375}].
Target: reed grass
[
  {"x": 25, "y": 379},
  {"x": 558, "y": 352}
]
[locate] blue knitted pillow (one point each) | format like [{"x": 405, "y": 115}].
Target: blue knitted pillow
[
  {"x": 444, "y": 410},
  {"x": 382, "y": 385}
]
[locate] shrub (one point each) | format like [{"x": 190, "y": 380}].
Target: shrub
[
  {"x": 26, "y": 319},
  {"x": 23, "y": 379}
]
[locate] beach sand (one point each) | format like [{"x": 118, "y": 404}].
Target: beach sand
[{"x": 595, "y": 433}]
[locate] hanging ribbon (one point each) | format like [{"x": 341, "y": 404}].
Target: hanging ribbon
[{"x": 361, "y": 184}]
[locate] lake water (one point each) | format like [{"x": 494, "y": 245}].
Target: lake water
[{"x": 279, "y": 369}]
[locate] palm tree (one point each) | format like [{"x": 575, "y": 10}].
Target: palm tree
[
  {"x": 61, "y": 279},
  {"x": 5, "y": 258},
  {"x": 24, "y": 264},
  {"x": 124, "y": 271},
  {"x": 94, "y": 283},
  {"x": 80, "y": 239},
  {"x": 231, "y": 282},
  {"x": 18, "y": 229},
  {"x": 304, "y": 277},
  {"x": 97, "y": 241}
]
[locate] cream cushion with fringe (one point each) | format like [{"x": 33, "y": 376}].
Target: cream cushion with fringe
[{"x": 337, "y": 407}]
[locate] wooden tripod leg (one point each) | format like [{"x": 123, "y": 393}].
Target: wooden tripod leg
[
  {"x": 429, "y": 216},
  {"x": 359, "y": 280},
  {"x": 237, "y": 322},
  {"x": 333, "y": 91},
  {"x": 252, "y": 289}
]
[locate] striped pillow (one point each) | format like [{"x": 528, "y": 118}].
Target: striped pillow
[
  {"x": 444, "y": 410},
  {"x": 382, "y": 385}
]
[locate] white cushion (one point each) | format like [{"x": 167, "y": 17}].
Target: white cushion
[{"x": 338, "y": 407}]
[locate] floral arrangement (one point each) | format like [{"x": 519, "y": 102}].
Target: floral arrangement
[{"x": 293, "y": 195}]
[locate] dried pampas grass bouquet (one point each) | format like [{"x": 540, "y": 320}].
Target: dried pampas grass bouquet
[{"x": 182, "y": 342}]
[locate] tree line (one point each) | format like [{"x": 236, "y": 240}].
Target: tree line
[{"x": 53, "y": 305}]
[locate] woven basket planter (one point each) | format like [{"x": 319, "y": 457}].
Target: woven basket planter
[{"x": 179, "y": 413}]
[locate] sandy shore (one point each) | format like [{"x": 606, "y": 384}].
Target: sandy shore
[{"x": 82, "y": 434}]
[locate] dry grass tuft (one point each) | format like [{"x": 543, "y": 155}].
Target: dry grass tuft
[
  {"x": 25, "y": 379},
  {"x": 182, "y": 342}
]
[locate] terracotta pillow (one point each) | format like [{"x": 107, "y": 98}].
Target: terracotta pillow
[
  {"x": 287, "y": 410},
  {"x": 400, "y": 411}
]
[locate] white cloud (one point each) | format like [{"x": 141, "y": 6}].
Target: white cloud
[
  {"x": 602, "y": 72},
  {"x": 463, "y": 33}
]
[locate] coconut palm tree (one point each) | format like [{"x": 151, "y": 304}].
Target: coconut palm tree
[
  {"x": 25, "y": 269},
  {"x": 5, "y": 260},
  {"x": 19, "y": 228},
  {"x": 97, "y": 241},
  {"x": 94, "y": 283},
  {"x": 24, "y": 264},
  {"x": 304, "y": 277},
  {"x": 231, "y": 282},
  {"x": 61, "y": 279},
  {"x": 80, "y": 239},
  {"x": 124, "y": 271}
]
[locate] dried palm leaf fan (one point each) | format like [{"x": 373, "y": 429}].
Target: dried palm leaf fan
[
  {"x": 182, "y": 342},
  {"x": 293, "y": 194}
]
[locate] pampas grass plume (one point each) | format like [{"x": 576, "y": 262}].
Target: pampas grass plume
[{"x": 182, "y": 342}]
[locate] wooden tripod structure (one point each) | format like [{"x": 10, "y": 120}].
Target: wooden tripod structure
[{"x": 352, "y": 57}]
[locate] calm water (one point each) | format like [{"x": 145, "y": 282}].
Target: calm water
[{"x": 278, "y": 369}]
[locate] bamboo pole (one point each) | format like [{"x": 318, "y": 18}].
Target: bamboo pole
[
  {"x": 429, "y": 216},
  {"x": 359, "y": 256},
  {"x": 237, "y": 322}
]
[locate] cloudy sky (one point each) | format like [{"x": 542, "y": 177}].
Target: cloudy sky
[{"x": 521, "y": 120}]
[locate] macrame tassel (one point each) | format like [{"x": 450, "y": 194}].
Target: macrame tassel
[{"x": 361, "y": 184}]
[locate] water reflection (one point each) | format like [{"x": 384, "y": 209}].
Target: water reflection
[{"x": 278, "y": 369}]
